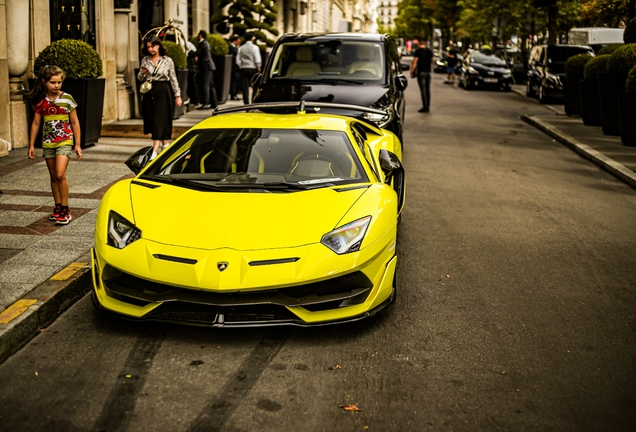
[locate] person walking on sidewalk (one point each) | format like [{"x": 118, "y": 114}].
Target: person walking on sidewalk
[
  {"x": 421, "y": 68},
  {"x": 249, "y": 60},
  {"x": 55, "y": 112},
  {"x": 206, "y": 68},
  {"x": 451, "y": 63},
  {"x": 236, "y": 70},
  {"x": 157, "y": 105}
]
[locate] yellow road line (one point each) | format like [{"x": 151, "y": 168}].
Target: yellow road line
[
  {"x": 69, "y": 271},
  {"x": 15, "y": 310}
]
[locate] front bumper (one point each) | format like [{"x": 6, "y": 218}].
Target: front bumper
[
  {"x": 360, "y": 286},
  {"x": 488, "y": 81}
]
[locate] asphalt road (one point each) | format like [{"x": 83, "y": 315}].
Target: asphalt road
[{"x": 515, "y": 312}]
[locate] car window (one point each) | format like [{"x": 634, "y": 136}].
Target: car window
[
  {"x": 487, "y": 59},
  {"x": 251, "y": 156},
  {"x": 329, "y": 60}
]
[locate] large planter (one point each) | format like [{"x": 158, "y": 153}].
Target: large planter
[
  {"x": 572, "y": 97},
  {"x": 627, "y": 116},
  {"x": 590, "y": 105},
  {"x": 182, "y": 77},
  {"x": 222, "y": 77},
  {"x": 609, "y": 105}
]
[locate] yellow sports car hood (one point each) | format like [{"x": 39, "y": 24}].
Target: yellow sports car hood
[{"x": 243, "y": 221}]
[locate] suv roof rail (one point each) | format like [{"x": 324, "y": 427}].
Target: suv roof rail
[{"x": 300, "y": 106}]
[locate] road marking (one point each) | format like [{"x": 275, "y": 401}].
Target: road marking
[
  {"x": 15, "y": 310},
  {"x": 69, "y": 271}
]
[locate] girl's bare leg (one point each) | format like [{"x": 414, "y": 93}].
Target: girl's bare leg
[
  {"x": 51, "y": 165},
  {"x": 61, "y": 162}
]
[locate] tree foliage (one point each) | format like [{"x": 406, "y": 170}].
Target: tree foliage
[{"x": 241, "y": 16}]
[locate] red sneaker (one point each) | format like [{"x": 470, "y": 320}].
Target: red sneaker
[
  {"x": 64, "y": 218},
  {"x": 56, "y": 212}
]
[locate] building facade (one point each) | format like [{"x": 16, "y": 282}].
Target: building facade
[{"x": 113, "y": 28}]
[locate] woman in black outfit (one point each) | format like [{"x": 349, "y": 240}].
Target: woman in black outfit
[{"x": 157, "y": 106}]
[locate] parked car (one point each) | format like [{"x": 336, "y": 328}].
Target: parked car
[
  {"x": 346, "y": 68},
  {"x": 273, "y": 219},
  {"x": 483, "y": 70},
  {"x": 546, "y": 69},
  {"x": 441, "y": 65}
]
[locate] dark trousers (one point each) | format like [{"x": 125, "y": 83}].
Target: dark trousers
[
  {"x": 193, "y": 88},
  {"x": 235, "y": 82},
  {"x": 424, "y": 81},
  {"x": 246, "y": 78},
  {"x": 207, "y": 92}
]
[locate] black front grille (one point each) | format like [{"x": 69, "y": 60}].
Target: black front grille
[{"x": 345, "y": 290}]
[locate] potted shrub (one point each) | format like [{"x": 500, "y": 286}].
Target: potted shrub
[
  {"x": 574, "y": 67},
  {"x": 178, "y": 56},
  {"x": 82, "y": 67},
  {"x": 223, "y": 61},
  {"x": 612, "y": 83},
  {"x": 590, "y": 104},
  {"x": 627, "y": 110}
]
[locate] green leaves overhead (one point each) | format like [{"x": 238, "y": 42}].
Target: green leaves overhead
[{"x": 258, "y": 16}]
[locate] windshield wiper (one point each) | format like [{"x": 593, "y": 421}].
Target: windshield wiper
[{"x": 190, "y": 184}]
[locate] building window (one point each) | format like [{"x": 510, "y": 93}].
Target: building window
[{"x": 73, "y": 19}]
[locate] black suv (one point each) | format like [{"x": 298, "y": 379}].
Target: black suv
[
  {"x": 346, "y": 68},
  {"x": 546, "y": 69}
]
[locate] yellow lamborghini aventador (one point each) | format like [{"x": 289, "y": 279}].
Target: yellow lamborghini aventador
[{"x": 256, "y": 217}]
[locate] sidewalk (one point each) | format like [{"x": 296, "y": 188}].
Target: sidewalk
[
  {"x": 589, "y": 141},
  {"x": 45, "y": 268}
]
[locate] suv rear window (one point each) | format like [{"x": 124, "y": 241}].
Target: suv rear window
[{"x": 329, "y": 60}]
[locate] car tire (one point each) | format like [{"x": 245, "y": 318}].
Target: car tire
[{"x": 460, "y": 83}]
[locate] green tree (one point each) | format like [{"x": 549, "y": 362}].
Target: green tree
[
  {"x": 241, "y": 16},
  {"x": 415, "y": 19}
]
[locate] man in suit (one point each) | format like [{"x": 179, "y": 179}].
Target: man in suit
[
  {"x": 236, "y": 70},
  {"x": 205, "y": 75}
]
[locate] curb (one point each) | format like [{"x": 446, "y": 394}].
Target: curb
[
  {"x": 616, "y": 169},
  {"x": 53, "y": 298}
]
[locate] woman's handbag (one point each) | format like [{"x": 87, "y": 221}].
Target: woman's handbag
[{"x": 146, "y": 86}]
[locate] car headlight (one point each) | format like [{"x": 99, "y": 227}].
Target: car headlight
[
  {"x": 347, "y": 238},
  {"x": 553, "y": 79},
  {"x": 506, "y": 76},
  {"x": 472, "y": 70},
  {"x": 440, "y": 63},
  {"x": 380, "y": 119},
  {"x": 121, "y": 233}
]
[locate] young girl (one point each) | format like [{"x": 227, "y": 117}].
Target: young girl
[{"x": 60, "y": 134}]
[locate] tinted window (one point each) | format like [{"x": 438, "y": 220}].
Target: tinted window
[
  {"x": 255, "y": 156},
  {"x": 487, "y": 59},
  {"x": 329, "y": 60},
  {"x": 561, "y": 54}
]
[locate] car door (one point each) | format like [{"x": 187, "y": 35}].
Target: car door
[{"x": 398, "y": 83}]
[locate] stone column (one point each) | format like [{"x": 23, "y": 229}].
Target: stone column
[
  {"x": 18, "y": 61},
  {"x": 125, "y": 96}
]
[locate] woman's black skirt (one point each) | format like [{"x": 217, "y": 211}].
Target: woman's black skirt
[{"x": 157, "y": 110}]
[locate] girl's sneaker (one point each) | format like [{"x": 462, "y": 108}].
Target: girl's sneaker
[
  {"x": 56, "y": 212},
  {"x": 64, "y": 218}
]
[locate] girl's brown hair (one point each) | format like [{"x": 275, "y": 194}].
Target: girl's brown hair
[{"x": 38, "y": 91}]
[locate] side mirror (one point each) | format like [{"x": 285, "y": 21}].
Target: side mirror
[
  {"x": 139, "y": 159},
  {"x": 401, "y": 82},
  {"x": 394, "y": 172}
]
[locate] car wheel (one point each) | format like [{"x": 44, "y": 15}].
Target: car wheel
[{"x": 460, "y": 83}]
